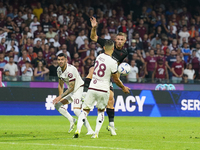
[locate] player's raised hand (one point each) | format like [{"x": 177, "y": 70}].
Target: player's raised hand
[
  {"x": 126, "y": 90},
  {"x": 93, "y": 21}
]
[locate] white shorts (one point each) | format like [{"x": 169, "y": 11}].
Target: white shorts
[
  {"x": 75, "y": 97},
  {"x": 96, "y": 96}
]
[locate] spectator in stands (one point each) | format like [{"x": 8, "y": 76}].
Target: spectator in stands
[
  {"x": 38, "y": 10},
  {"x": 195, "y": 63},
  {"x": 160, "y": 73},
  {"x": 122, "y": 28},
  {"x": 169, "y": 61},
  {"x": 72, "y": 47},
  {"x": 184, "y": 79},
  {"x": 33, "y": 25},
  {"x": 2, "y": 61},
  {"x": 84, "y": 48},
  {"x": 70, "y": 25},
  {"x": 56, "y": 43},
  {"x": 79, "y": 68},
  {"x": 32, "y": 55},
  {"x": 11, "y": 70},
  {"x": 24, "y": 56},
  {"x": 46, "y": 24},
  {"x": 64, "y": 50},
  {"x": 64, "y": 18},
  {"x": 39, "y": 59},
  {"x": 53, "y": 70},
  {"x": 87, "y": 65},
  {"x": 46, "y": 51},
  {"x": 171, "y": 35},
  {"x": 2, "y": 8},
  {"x": 184, "y": 34},
  {"x": 29, "y": 20},
  {"x": 27, "y": 72},
  {"x": 155, "y": 41},
  {"x": 133, "y": 74},
  {"x": 141, "y": 29},
  {"x": 80, "y": 39},
  {"x": 177, "y": 70},
  {"x": 186, "y": 52},
  {"x": 132, "y": 49},
  {"x": 40, "y": 71},
  {"x": 50, "y": 34},
  {"x": 190, "y": 72},
  {"x": 37, "y": 47},
  {"x": 150, "y": 64}
]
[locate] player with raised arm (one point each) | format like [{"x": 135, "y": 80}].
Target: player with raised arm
[
  {"x": 68, "y": 74},
  {"x": 99, "y": 89},
  {"x": 119, "y": 54}
]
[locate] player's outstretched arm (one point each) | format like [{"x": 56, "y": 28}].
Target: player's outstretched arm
[
  {"x": 93, "y": 34},
  {"x": 119, "y": 83}
]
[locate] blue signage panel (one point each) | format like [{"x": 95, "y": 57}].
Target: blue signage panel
[{"x": 38, "y": 101}]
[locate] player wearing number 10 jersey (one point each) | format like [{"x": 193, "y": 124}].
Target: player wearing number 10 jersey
[
  {"x": 68, "y": 74},
  {"x": 99, "y": 89}
]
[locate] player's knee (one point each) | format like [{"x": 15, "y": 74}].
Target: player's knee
[
  {"x": 77, "y": 112},
  {"x": 58, "y": 105}
]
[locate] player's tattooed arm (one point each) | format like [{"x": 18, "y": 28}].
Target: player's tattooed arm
[
  {"x": 60, "y": 86},
  {"x": 69, "y": 90}
]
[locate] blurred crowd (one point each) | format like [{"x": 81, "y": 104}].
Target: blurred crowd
[{"x": 163, "y": 37}]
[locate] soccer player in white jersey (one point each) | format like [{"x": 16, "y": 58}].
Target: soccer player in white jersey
[
  {"x": 99, "y": 89},
  {"x": 68, "y": 74}
]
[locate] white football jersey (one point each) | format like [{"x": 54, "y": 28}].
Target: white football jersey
[
  {"x": 103, "y": 68},
  {"x": 70, "y": 74}
]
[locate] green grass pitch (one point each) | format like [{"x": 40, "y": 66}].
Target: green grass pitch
[{"x": 50, "y": 133}]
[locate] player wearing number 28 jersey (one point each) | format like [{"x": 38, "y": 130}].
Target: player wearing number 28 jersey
[
  {"x": 104, "y": 65},
  {"x": 119, "y": 54},
  {"x": 99, "y": 89}
]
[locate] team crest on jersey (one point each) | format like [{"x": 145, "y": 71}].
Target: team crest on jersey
[{"x": 70, "y": 75}]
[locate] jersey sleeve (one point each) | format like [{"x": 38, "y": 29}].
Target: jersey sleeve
[
  {"x": 58, "y": 74},
  {"x": 72, "y": 75},
  {"x": 101, "y": 41},
  {"x": 114, "y": 67}
]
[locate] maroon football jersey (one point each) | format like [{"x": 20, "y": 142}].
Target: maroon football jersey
[
  {"x": 177, "y": 67},
  {"x": 160, "y": 72},
  {"x": 151, "y": 62}
]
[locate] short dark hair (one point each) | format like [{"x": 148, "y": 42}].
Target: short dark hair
[
  {"x": 11, "y": 56},
  {"x": 61, "y": 55},
  {"x": 109, "y": 44}
]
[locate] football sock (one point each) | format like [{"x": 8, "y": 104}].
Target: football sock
[
  {"x": 111, "y": 124},
  {"x": 86, "y": 123},
  {"x": 111, "y": 114},
  {"x": 81, "y": 119},
  {"x": 99, "y": 122},
  {"x": 86, "y": 84},
  {"x": 63, "y": 111}
]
